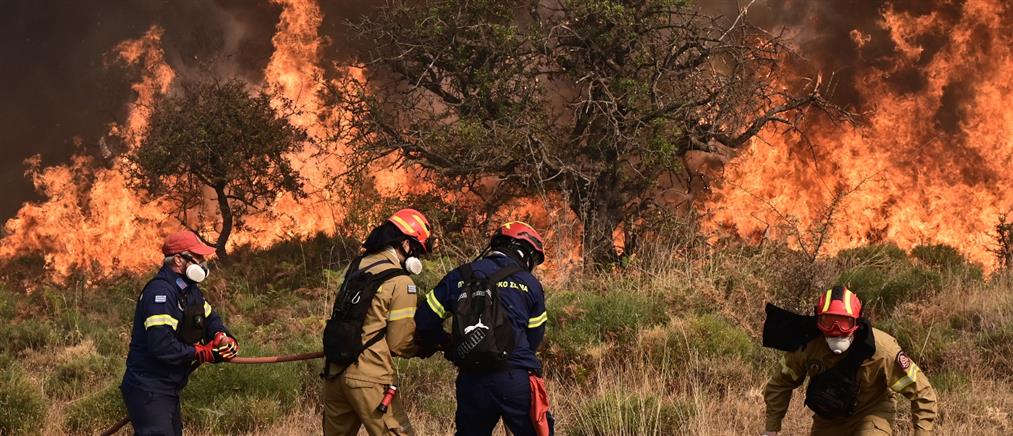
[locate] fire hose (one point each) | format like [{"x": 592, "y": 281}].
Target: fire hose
[{"x": 240, "y": 360}]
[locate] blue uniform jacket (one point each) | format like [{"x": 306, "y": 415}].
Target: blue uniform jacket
[
  {"x": 521, "y": 295},
  {"x": 158, "y": 361}
]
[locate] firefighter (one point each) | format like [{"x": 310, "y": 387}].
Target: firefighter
[
  {"x": 854, "y": 371},
  {"x": 485, "y": 394},
  {"x": 174, "y": 330},
  {"x": 351, "y": 393}
]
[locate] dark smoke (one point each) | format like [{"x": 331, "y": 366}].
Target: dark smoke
[{"x": 58, "y": 87}]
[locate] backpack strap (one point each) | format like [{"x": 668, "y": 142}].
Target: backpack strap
[
  {"x": 378, "y": 278},
  {"x": 504, "y": 272},
  {"x": 467, "y": 273}
]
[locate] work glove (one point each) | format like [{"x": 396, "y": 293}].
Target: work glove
[
  {"x": 226, "y": 346},
  {"x": 205, "y": 353}
]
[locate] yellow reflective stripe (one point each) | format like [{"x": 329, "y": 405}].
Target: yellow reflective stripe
[
  {"x": 538, "y": 320},
  {"x": 911, "y": 377},
  {"x": 847, "y": 302},
  {"x": 154, "y": 320},
  {"x": 400, "y": 314},
  {"x": 207, "y": 309},
  {"x": 435, "y": 305},
  {"x": 826, "y": 301},
  {"x": 786, "y": 370},
  {"x": 404, "y": 224},
  {"x": 422, "y": 225}
]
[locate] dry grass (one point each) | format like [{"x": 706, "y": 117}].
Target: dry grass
[{"x": 689, "y": 363}]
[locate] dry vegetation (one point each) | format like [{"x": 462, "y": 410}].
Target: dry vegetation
[{"x": 668, "y": 345}]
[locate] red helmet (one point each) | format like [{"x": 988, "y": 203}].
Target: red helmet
[
  {"x": 414, "y": 225},
  {"x": 522, "y": 232},
  {"x": 837, "y": 312}
]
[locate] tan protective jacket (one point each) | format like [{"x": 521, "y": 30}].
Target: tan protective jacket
[
  {"x": 394, "y": 308},
  {"x": 887, "y": 372}
]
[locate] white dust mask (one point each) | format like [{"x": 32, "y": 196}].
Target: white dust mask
[
  {"x": 413, "y": 265},
  {"x": 196, "y": 272},
  {"x": 839, "y": 344}
]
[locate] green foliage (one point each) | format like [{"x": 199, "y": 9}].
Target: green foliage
[
  {"x": 625, "y": 414},
  {"x": 218, "y": 136},
  {"x": 22, "y": 406},
  {"x": 32, "y": 333},
  {"x": 948, "y": 260},
  {"x": 883, "y": 277},
  {"x": 95, "y": 412},
  {"x": 707, "y": 337},
  {"x": 230, "y": 399},
  {"x": 586, "y": 318},
  {"x": 79, "y": 374},
  {"x": 598, "y": 101}
]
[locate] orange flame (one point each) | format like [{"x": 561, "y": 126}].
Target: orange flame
[
  {"x": 91, "y": 221},
  {"x": 911, "y": 177}
]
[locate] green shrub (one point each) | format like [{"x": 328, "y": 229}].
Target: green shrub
[
  {"x": 622, "y": 414},
  {"x": 581, "y": 320},
  {"x": 705, "y": 336},
  {"x": 22, "y": 404},
  {"x": 946, "y": 259},
  {"x": 883, "y": 277},
  {"x": 212, "y": 388},
  {"x": 71, "y": 378},
  {"x": 997, "y": 345},
  {"x": 874, "y": 253},
  {"x": 95, "y": 412},
  {"x": 32, "y": 333}
]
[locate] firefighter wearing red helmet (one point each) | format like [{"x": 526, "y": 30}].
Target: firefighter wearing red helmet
[
  {"x": 371, "y": 326},
  {"x": 497, "y": 313},
  {"x": 854, "y": 371}
]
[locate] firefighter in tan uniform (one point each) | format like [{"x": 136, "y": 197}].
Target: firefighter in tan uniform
[
  {"x": 854, "y": 371},
  {"x": 352, "y": 392}
]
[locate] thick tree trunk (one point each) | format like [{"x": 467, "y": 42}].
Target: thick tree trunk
[
  {"x": 226, "y": 211},
  {"x": 600, "y": 208}
]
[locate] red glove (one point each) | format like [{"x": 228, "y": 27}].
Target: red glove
[
  {"x": 221, "y": 349},
  {"x": 225, "y": 346},
  {"x": 205, "y": 353}
]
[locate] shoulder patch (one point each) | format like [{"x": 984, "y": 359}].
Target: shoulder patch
[
  {"x": 181, "y": 283},
  {"x": 160, "y": 298},
  {"x": 903, "y": 361},
  {"x": 412, "y": 289}
]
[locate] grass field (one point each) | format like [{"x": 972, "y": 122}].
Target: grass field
[{"x": 667, "y": 345}]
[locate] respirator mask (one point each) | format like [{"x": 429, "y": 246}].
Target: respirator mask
[
  {"x": 840, "y": 344},
  {"x": 195, "y": 271}
]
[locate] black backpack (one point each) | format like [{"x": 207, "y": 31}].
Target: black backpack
[
  {"x": 833, "y": 393},
  {"x": 343, "y": 332},
  {"x": 482, "y": 335}
]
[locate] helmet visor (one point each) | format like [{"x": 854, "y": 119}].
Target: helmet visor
[{"x": 837, "y": 324}]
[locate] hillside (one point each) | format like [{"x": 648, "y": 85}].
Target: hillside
[{"x": 667, "y": 345}]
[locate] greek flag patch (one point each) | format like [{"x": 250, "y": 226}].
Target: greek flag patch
[
  {"x": 181, "y": 283},
  {"x": 160, "y": 298},
  {"x": 412, "y": 289}
]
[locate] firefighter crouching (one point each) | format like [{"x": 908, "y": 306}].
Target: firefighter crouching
[
  {"x": 372, "y": 321},
  {"x": 499, "y": 315},
  {"x": 854, "y": 371},
  {"x": 174, "y": 330}
]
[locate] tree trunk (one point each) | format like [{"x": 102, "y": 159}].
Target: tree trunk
[
  {"x": 600, "y": 208},
  {"x": 226, "y": 211}
]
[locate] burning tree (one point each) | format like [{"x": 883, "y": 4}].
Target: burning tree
[
  {"x": 218, "y": 138},
  {"x": 600, "y": 101}
]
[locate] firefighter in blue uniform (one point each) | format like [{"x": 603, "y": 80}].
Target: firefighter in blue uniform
[
  {"x": 483, "y": 397},
  {"x": 175, "y": 329}
]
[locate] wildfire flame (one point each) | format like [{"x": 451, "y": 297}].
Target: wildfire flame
[
  {"x": 910, "y": 175},
  {"x": 930, "y": 166}
]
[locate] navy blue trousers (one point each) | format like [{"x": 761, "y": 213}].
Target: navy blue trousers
[
  {"x": 152, "y": 414},
  {"x": 484, "y": 398}
]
